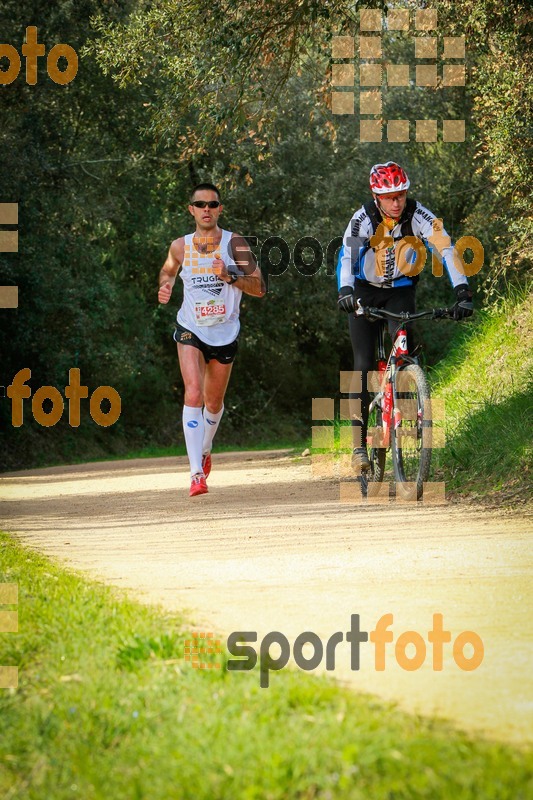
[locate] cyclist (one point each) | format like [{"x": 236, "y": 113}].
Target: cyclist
[
  {"x": 216, "y": 267},
  {"x": 378, "y": 273}
]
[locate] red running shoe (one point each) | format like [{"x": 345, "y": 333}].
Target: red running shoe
[
  {"x": 198, "y": 485},
  {"x": 206, "y": 464}
]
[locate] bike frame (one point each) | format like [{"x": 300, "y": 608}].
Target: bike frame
[{"x": 388, "y": 367}]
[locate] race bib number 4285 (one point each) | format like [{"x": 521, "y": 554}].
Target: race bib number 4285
[{"x": 210, "y": 313}]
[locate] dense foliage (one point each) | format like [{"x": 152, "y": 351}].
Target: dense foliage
[{"x": 171, "y": 92}]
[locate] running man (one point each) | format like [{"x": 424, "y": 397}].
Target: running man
[
  {"x": 216, "y": 267},
  {"x": 379, "y": 278}
]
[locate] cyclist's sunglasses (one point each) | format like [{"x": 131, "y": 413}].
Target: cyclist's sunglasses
[{"x": 204, "y": 203}]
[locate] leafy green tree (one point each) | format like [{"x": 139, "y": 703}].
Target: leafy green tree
[
  {"x": 73, "y": 159},
  {"x": 169, "y": 94},
  {"x": 499, "y": 47}
]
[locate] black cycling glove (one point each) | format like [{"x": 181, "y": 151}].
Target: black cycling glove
[
  {"x": 346, "y": 301},
  {"x": 464, "y": 307}
]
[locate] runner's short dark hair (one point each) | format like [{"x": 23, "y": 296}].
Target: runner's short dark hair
[{"x": 202, "y": 187}]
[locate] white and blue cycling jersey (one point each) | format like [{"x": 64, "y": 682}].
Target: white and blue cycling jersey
[{"x": 357, "y": 258}]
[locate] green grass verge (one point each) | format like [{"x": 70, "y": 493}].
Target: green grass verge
[
  {"x": 107, "y": 708},
  {"x": 486, "y": 383},
  {"x": 179, "y": 450}
]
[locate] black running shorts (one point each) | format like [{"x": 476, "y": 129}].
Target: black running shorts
[{"x": 225, "y": 353}]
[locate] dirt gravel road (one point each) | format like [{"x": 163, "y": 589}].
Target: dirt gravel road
[{"x": 272, "y": 548}]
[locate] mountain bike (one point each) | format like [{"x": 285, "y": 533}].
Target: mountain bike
[{"x": 400, "y": 415}]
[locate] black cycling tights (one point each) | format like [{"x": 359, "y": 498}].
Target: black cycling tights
[{"x": 363, "y": 334}]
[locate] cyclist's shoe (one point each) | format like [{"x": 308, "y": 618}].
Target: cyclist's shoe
[
  {"x": 360, "y": 460},
  {"x": 198, "y": 485},
  {"x": 206, "y": 464}
]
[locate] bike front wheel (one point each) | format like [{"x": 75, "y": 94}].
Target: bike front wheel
[
  {"x": 410, "y": 438},
  {"x": 377, "y": 455}
]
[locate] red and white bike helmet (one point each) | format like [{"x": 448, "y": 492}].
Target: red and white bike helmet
[{"x": 389, "y": 177}]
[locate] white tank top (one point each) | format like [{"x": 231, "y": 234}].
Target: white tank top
[{"x": 210, "y": 307}]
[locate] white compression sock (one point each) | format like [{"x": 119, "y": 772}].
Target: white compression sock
[
  {"x": 211, "y": 423},
  {"x": 193, "y": 428}
]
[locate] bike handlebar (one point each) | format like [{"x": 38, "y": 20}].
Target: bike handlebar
[{"x": 404, "y": 316}]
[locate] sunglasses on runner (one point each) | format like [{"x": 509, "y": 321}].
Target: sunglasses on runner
[{"x": 204, "y": 203}]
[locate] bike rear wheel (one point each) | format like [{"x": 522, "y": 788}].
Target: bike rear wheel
[{"x": 410, "y": 440}]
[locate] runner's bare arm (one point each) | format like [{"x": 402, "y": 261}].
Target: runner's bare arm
[
  {"x": 252, "y": 281},
  {"x": 170, "y": 269}
]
